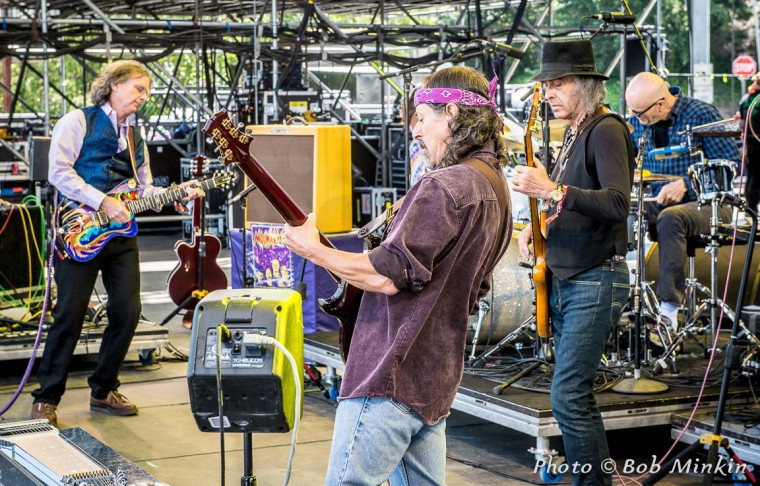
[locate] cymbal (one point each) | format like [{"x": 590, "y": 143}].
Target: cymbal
[
  {"x": 557, "y": 128},
  {"x": 730, "y": 127},
  {"x": 514, "y": 134},
  {"x": 650, "y": 177},
  {"x": 514, "y": 145}
]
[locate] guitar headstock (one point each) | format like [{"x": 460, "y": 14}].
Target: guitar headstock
[
  {"x": 225, "y": 178},
  {"x": 533, "y": 115},
  {"x": 230, "y": 141},
  {"x": 197, "y": 165}
]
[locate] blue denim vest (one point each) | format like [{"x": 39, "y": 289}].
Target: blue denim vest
[{"x": 99, "y": 162}]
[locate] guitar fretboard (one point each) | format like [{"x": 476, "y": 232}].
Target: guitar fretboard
[
  {"x": 167, "y": 197},
  {"x": 159, "y": 200}
]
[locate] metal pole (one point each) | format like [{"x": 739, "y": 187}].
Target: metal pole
[
  {"x": 274, "y": 62},
  {"x": 45, "y": 75},
  {"x": 64, "y": 107}
]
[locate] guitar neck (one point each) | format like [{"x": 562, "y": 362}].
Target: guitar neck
[
  {"x": 170, "y": 196},
  {"x": 539, "y": 243}
]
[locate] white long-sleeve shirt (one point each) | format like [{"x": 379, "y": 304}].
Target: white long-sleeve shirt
[{"x": 66, "y": 143}]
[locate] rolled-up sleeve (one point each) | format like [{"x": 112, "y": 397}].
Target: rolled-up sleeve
[{"x": 426, "y": 225}]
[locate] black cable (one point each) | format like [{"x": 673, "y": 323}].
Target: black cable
[{"x": 220, "y": 330}]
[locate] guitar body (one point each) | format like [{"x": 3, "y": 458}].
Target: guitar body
[
  {"x": 183, "y": 280},
  {"x": 540, "y": 270},
  {"x": 188, "y": 276},
  {"x": 83, "y": 231},
  {"x": 80, "y": 232},
  {"x": 233, "y": 147},
  {"x": 344, "y": 306}
]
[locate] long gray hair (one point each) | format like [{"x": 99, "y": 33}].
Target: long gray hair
[
  {"x": 115, "y": 73},
  {"x": 591, "y": 94}
]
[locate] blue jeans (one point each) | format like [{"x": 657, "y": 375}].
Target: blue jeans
[
  {"x": 379, "y": 438},
  {"x": 584, "y": 309}
]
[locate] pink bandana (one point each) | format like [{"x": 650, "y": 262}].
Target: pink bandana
[{"x": 458, "y": 96}]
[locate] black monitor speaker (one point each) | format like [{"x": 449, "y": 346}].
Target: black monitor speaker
[{"x": 39, "y": 148}]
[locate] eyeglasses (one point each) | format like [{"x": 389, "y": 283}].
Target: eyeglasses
[
  {"x": 142, "y": 90},
  {"x": 639, "y": 114}
]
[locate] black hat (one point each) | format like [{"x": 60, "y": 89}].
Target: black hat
[{"x": 573, "y": 58}]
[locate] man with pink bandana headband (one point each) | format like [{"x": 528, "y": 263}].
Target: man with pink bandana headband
[{"x": 421, "y": 284}]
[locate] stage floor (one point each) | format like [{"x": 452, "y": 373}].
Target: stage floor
[
  {"x": 530, "y": 412},
  {"x": 19, "y": 345}
]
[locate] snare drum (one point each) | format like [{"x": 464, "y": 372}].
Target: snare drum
[{"x": 713, "y": 178}]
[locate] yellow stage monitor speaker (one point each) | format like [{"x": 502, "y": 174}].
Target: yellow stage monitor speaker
[
  {"x": 312, "y": 163},
  {"x": 259, "y": 391}
]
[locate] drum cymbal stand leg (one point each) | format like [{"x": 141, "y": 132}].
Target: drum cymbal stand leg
[
  {"x": 484, "y": 307},
  {"x": 480, "y": 360}
]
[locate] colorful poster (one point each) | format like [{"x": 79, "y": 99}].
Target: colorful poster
[{"x": 272, "y": 261}]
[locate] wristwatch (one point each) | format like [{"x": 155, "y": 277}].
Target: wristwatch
[{"x": 557, "y": 194}]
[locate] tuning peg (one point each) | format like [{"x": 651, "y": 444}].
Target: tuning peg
[
  {"x": 221, "y": 159},
  {"x": 248, "y": 132},
  {"x": 209, "y": 140}
]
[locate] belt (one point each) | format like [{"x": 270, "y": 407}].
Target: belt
[{"x": 614, "y": 259}]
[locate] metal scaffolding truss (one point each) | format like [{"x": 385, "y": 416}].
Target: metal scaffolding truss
[{"x": 223, "y": 41}]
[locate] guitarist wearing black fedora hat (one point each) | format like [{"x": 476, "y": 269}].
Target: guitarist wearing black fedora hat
[{"x": 587, "y": 200}]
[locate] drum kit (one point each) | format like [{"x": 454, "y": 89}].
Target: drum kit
[{"x": 713, "y": 181}]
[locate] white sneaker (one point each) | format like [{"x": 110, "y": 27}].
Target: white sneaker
[{"x": 669, "y": 311}]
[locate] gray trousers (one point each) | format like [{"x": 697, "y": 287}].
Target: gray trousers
[{"x": 671, "y": 227}]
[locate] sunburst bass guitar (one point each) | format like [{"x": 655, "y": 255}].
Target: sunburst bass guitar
[{"x": 540, "y": 270}]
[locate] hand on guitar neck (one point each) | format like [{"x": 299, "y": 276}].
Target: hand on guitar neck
[{"x": 193, "y": 190}]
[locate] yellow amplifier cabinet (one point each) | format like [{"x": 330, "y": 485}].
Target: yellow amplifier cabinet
[{"x": 312, "y": 163}]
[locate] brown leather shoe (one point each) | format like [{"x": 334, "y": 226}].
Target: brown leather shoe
[
  {"x": 45, "y": 410},
  {"x": 114, "y": 403}
]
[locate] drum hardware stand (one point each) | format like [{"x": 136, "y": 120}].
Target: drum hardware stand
[
  {"x": 713, "y": 302},
  {"x": 484, "y": 308},
  {"x": 715, "y": 440},
  {"x": 637, "y": 384},
  {"x": 528, "y": 324}
]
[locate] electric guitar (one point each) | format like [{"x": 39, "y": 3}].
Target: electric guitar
[
  {"x": 540, "y": 270},
  {"x": 196, "y": 269},
  {"x": 233, "y": 147},
  {"x": 83, "y": 231}
]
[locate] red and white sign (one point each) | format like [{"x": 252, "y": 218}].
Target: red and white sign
[{"x": 744, "y": 66}]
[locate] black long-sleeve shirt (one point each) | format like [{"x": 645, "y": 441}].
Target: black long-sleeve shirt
[{"x": 591, "y": 227}]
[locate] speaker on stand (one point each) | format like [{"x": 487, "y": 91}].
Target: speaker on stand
[{"x": 227, "y": 363}]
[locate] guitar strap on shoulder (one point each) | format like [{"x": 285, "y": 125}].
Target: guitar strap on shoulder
[
  {"x": 131, "y": 145},
  {"x": 501, "y": 197},
  {"x": 380, "y": 220}
]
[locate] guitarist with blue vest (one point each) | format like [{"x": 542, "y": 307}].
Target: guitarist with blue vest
[{"x": 94, "y": 150}]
